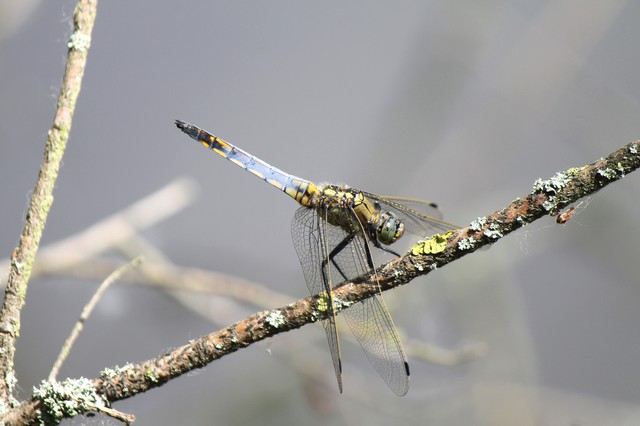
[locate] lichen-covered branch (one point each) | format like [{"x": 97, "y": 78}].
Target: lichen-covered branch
[
  {"x": 547, "y": 197},
  {"x": 42, "y": 198}
]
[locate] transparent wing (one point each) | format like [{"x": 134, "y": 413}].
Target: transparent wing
[
  {"x": 423, "y": 207},
  {"x": 330, "y": 255},
  {"x": 369, "y": 320},
  {"x": 373, "y": 327},
  {"x": 309, "y": 239},
  {"x": 421, "y": 218}
]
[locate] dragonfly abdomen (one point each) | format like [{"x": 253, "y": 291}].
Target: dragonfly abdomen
[{"x": 297, "y": 188}]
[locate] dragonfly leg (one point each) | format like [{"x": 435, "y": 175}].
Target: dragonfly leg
[
  {"x": 336, "y": 250},
  {"x": 381, "y": 247}
]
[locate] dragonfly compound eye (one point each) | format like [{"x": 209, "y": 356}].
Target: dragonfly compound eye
[{"x": 391, "y": 228}]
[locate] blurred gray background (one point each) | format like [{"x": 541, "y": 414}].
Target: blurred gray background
[{"x": 465, "y": 103}]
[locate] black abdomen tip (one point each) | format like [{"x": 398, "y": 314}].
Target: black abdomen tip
[{"x": 181, "y": 124}]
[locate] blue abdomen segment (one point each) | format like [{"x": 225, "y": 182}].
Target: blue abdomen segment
[{"x": 299, "y": 189}]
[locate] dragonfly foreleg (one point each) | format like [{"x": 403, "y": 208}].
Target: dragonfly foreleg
[
  {"x": 388, "y": 250},
  {"x": 383, "y": 248}
]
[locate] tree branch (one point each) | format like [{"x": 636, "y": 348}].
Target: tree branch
[
  {"x": 548, "y": 197},
  {"x": 42, "y": 198}
]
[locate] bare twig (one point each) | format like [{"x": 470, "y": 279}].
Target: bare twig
[
  {"x": 167, "y": 276},
  {"x": 449, "y": 357},
  {"x": 125, "y": 418},
  {"x": 548, "y": 196},
  {"x": 86, "y": 312},
  {"x": 117, "y": 228},
  {"x": 42, "y": 198},
  {"x": 121, "y": 226}
]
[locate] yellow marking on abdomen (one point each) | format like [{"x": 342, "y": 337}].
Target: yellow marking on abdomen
[
  {"x": 276, "y": 183},
  {"x": 257, "y": 173},
  {"x": 236, "y": 162}
]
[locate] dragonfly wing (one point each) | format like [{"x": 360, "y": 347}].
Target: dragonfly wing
[
  {"x": 370, "y": 320},
  {"x": 421, "y": 218},
  {"x": 309, "y": 238},
  {"x": 422, "y": 207},
  {"x": 373, "y": 327}
]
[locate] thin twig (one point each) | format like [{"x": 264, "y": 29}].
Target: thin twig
[
  {"x": 125, "y": 418},
  {"x": 42, "y": 198},
  {"x": 86, "y": 312},
  {"x": 448, "y": 357},
  {"x": 548, "y": 196},
  {"x": 167, "y": 276},
  {"x": 123, "y": 225},
  {"x": 116, "y": 228}
]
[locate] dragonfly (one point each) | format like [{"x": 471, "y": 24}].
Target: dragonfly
[{"x": 335, "y": 231}]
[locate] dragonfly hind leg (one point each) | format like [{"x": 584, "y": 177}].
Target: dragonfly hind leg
[{"x": 336, "y": 251}]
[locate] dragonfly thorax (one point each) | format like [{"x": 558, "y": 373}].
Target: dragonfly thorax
[{"x": 354, "y": 212}]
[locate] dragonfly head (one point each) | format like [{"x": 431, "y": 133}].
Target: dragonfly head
[{"x": 390, "y": 228}]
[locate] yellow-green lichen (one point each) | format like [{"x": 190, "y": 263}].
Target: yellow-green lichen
[
  {"x": 151, "y": 376},
  {"x": 574, "y": 170},
  {"x": 436, "y": 244},
  {"x": 323, "y": 302}
]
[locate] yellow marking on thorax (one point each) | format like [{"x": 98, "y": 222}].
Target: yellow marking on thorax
[
  {"x": 363, "y": 208},
  {"x": 341, "y": 197},
  {"x": 330, "y": 192}
]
